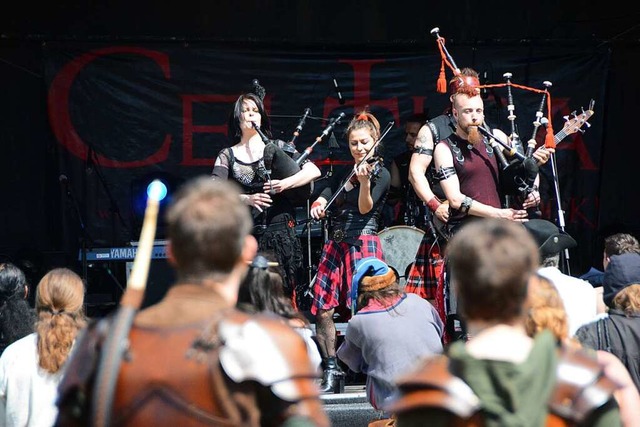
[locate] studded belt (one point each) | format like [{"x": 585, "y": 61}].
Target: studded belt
[{"x": 339, "y": 235}]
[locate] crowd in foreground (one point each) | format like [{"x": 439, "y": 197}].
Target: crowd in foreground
[{"x": 205, "y": 356}]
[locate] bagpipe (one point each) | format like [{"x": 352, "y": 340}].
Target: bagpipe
[
  {"x": 519, "y": 168},
  {"x": 281, "y": 160},
  {"x": 278, "y": 164}
]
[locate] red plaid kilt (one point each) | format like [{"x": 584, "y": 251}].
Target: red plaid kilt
[
  {"x": 426, "y": 274},
  {"x": 332, "y": 287}
]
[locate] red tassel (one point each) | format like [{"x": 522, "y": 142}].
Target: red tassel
[
  {"x": 441, "y": 86},
  {"x": 549, "y": 139}
]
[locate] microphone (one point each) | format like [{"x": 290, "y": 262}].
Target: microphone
[
  {"x": 484, "y": 93},
  {"x": 307, "y": 111},
  {"x": 338, "y": 92},
  {"x": 331, "y": 125},
  {"x": 296, "y": 133},
  {"x": 324, "y": 133}
]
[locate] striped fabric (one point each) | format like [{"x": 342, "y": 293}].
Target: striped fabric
[{"x": 332, "y": 287}]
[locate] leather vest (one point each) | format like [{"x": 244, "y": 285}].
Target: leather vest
[
  {"x": 229, "y": 370},
  {"x": 570, "y": 402}
]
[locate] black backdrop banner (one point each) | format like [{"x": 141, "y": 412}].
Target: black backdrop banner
[{"x": 122, "y": 115}]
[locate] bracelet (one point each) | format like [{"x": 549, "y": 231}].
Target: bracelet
[
  {"x": 434, "y": 203},
  {"x": 535, "y": 188},
  {"x": 315, "y": 204},
  {"x": 466, "y": 205}
]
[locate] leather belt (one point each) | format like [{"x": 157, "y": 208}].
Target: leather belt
[{"x": 339, "y": 235}]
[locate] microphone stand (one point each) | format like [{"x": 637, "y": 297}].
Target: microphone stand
[
  {"x": 84, "y": 236},
  {"x": 309, "y": 263},
  {"x": 324, "y": 133},
  {"x": 560, "y": 213},
  {"x": 92, "y": 165},
  {"x": 113, "y": 206}
]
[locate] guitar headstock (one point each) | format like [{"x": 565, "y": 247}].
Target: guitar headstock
[
  {"x": 572, "y": 125},
  {"x": 578, "y": 121}
]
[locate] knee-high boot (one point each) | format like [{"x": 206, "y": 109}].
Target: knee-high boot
[{"x": 332, "y": 377}]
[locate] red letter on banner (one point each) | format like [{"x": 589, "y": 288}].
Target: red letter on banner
[
  {"x": 362, "y": 90},
  {"x": 60, "y": 118}
]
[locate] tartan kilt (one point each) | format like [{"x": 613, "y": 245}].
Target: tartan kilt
[
  {"x": 332, "y": 287},
  {"x": 427, "y": 268}
]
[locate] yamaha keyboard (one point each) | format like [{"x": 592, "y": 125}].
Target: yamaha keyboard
[{"x": 125, "y": 253}]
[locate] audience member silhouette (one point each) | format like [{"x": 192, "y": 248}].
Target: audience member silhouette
[
  {"x": 17, "y": 318},
  {"x": 262, "y": 290},
  {"x": 32, "y": 367},
  {"x": 501, "y": 376},
  {"x": 390, "y": 330}
]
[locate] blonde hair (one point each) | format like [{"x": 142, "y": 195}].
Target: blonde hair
[
  {"x": 628, "y": 300},
  {"x": 59, "y": 304},
  {"x": 546, "y": 309}
]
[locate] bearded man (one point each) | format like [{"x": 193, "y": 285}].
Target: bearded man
[
  {"x": 467, "y": 166},
  {"x": 469, "y": 173}
]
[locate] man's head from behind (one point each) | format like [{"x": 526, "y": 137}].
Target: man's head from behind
[
  {"x": 622, "y": 272},
  {"x": 619, "y": 243},
  {"x": 550, "y": 240},
  {"x": 209, "y": 229},
  {"x": 491, "y": 261}
]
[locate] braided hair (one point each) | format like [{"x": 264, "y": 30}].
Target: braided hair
[{"x": 59, "y": 304}]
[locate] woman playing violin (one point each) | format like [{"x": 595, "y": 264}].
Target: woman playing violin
[
  {"x": 273, "y": 211},
  {"x": 355, "y": 213}
]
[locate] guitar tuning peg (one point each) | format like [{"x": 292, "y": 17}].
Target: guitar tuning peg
[
  {"x": 587, "y": 124},
  {"x": 566, "y": 118},
  {"x": 581, "y": 130}
]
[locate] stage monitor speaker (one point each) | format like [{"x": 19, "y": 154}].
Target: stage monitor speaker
[{"x": 161, "y": 277}]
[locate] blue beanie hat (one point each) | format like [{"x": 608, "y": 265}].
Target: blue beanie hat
[
  {"x": 623, "y": 270},
  {"x": 371, "y": 274}
]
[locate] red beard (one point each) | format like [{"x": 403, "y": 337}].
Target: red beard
[{"x": 474, "y": 135}]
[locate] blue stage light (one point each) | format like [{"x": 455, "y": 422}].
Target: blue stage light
[{"x": 157, "y": 190}]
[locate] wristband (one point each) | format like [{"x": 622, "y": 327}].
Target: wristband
[
  {"x": 316, "y": 204},
  {"x": 466, "y": 205},
  {"x": 434, "y": 204}
]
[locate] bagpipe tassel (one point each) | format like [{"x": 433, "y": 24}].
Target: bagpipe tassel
[{"x": 441, "y": 86}]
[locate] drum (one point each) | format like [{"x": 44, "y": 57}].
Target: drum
[{"x": 399, "y": 246}]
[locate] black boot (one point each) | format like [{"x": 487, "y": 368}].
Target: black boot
[{"x": 332, "y": 377}]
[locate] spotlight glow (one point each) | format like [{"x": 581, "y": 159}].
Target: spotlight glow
[{"x": 157, "y": 190}]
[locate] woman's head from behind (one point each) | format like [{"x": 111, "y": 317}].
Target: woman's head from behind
[
  {"x": 545, "y": 308},
  {"x": 13, "y": 283},
  {"x": 17, "y": 318},
  {"x": 263, "y": 288},
  {"x": 59, "y": 304}
]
